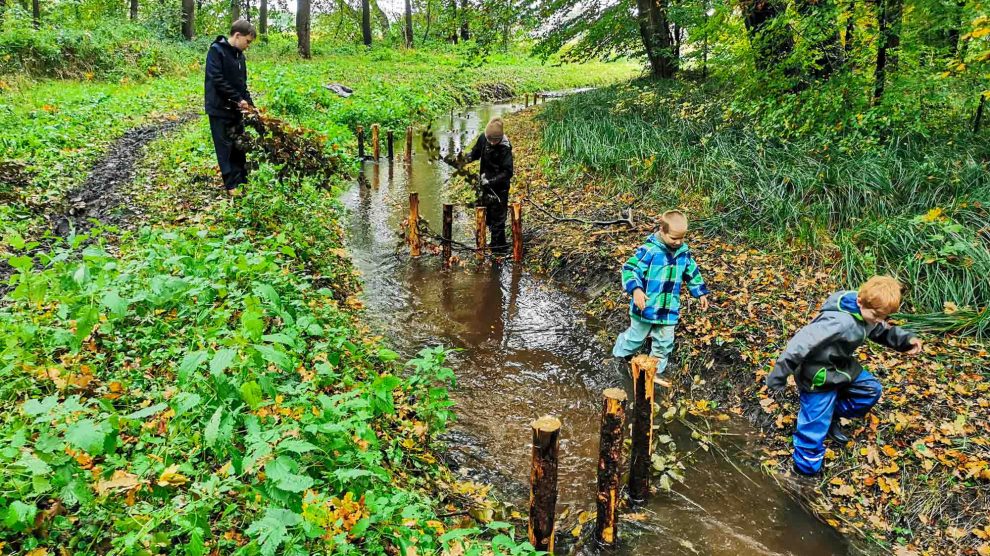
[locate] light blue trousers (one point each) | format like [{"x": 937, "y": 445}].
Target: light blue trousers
[{"x": 630, "y": 341}]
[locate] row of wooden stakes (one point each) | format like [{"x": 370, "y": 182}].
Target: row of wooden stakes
[
  {"x": 446, "y": 238},
  {"x": 543, "y": 474},
  {"x": 390, "y": 138}
]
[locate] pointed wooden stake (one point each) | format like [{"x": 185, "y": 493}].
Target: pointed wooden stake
[
  {"x": 376, "y": 148},
  {"x": 360, "y": 138},
  {"x": 413, "y": 236},
  {"x": 517, "y": 239}
]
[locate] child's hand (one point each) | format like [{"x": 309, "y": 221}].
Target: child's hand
[
  {"x": 639, "y": 298},
  {"x": 704, "y": 302},
  {"x": 916, "y": 347}
]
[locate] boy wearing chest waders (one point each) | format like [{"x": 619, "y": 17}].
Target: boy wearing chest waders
[
  {"x": 654, "y": 276},
  {"x": 226, "y": 98},
  {"x": 495, "y": 153},
  {"x": 821, "y": 356}
]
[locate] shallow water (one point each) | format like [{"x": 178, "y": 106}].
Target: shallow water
[{"x": 528, "y": 351}]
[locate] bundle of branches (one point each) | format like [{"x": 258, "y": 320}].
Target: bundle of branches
[
  {"x": 457, "y": 161},
  {"x": 297, "y": 151}
]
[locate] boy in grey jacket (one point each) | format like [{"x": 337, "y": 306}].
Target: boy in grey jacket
[{"x": 821, "y": 357}]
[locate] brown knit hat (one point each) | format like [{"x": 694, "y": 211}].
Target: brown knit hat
[{"x": 493, "y": 131}]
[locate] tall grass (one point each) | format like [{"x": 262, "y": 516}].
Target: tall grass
[{"x": 913, "y": 207}]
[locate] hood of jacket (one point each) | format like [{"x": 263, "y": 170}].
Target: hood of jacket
[{"x": 655, "y": 240}]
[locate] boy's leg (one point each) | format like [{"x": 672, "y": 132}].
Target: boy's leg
[
  {"x": 230, "y": 159},
  {"x": 662, "y": 346},
  {"x": 629, "y": 342},
  {"x": 856, "y": 399},
  {"x": 813, "y": 421}
]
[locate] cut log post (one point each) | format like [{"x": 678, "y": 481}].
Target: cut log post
[
  {"x": 448, "y": 232},
  {"x": 360, "y": 137},
  {"x": 536, "y": 98},
  {"x": 413, "y": 235},
  {"x": 527, "y": 99},
  {"x": 517, "y": 240},
  {"x": 609, "y": 463},
  {"x": 644, "y": 369},
  {"x": 409, "y": 141},
  {"x": 389, "y": 141},
  {"x": 543, "y": 482},
  {"x": 479, "y": 231},
  {"x": 376, "y": 148}
]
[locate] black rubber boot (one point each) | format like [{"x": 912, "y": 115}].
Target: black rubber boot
[{"x": 836, "y": 433}]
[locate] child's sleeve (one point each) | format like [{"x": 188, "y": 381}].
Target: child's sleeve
[
  {"x": 692, "y": 277},
  {"x": 634, "y": 271},
  {"x": 893, "y": 337},
  {"x": 807, "y": 340}
]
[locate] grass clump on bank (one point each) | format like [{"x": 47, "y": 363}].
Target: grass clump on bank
[{"x": 913, "y": 206}]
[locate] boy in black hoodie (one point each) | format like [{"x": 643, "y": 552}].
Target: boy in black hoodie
[
  {"x": 226, "y": 98},
  {"x": 822, "y": 359}
]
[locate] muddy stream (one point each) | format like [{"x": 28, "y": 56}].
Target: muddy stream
[{"x": 528, "y": 350}]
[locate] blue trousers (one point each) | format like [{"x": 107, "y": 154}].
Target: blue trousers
[
  {"x": 817, "y": 411},
  {"x": 630, "y": 341}
]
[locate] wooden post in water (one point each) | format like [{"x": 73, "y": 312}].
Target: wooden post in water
[
  {"x": 409, "y": 139},
  {"x": 448, "y": 232},
  {"x": 536, "y": 98},
  {"x": 376, "y": 147},
  {"x": 644, "y": 369},
  {"x": 543, "y": 482},
  {"x": 389, "y": 141},
  {"x": 413, "y": 235},
  {"x": 479, "y": 231},
  {"x": 517, "y": 239},
  {"x": 360, "y": 137},
  {"x": 527, "y": 100},
  {"x": 609, "y": 461}
]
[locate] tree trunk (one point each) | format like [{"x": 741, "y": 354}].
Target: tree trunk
[
  {"x": 657, "y": 40},
  {"x": 429, "y": 7},
  {"x": 955, "y": 32},
  {"x": 465, "y": 32},
  {"x": 366, "y": 21},
  {"x": 134, "y": 10},
  {"x": 769, "y": 38},
  {"x": 409, "y": 29},
  {"x": 263, "y": 18},
  {"x": 36, "y": 12},
  {"x": 302, "y": 27},
  {"x": 188, "y": 18},
  {"x": 888, "y": 39},
  {"x": 850, "y": 28},
  {"x": 235, "y": 10},
  {"x": 978, "y": 117},
  {"x": 453, "y": 18}
]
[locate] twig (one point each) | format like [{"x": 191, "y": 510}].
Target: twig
[{"x": 627, "y": 220}]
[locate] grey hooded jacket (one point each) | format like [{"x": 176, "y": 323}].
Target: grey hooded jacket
[{"x": 821, "y": 356}]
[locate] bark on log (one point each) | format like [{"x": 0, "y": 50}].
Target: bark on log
[
  {"x": 609, "y": 463},
  {"x": 644, "y": 369},
  {"x": 517, "y": 238},
  {"x": 389, "y": 141},
  {"x": 360, "y": 139},
  {"x": 543, "y": 482},
  {"x": 376, "y": 148},
  {"x": 479, "y": 231},
  {"x": 413, "y": 233},
  {"x": 448, "y": 232}
]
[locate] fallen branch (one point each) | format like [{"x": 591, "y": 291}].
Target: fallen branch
[{"x": 627, "y": 220}]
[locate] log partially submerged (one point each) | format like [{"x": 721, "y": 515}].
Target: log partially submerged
[
  {"x": 609, "y": 465},
  {"x": 543, "y": 482},
  {"x": 644, "y": 369}
]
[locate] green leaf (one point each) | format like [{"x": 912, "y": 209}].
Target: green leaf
[
  {"x": 282, "y": 472},
  {"x": 222, "y": 360},
  {"x": 20, "y": 516},
  {"x": 297, "y": 446},
  {"x": 190, "y": 363},
  {"x": 87, "y": 435},
  {"x": 112, "y": 301},
  {"x": 251, "y": 394},
  {"x": 213, "y": 428},
  {"x": 387, "y": 355},
  {"x": 345, "y": 475},
  {"x": 34, "y": 408},
  {"x": 253, "y": 323},
  {"x": 275, "y": 356},
  {"x": 21, "y": 262},
  {"x": 148, "y": 411},
  {"x": 272, "y": 530}
]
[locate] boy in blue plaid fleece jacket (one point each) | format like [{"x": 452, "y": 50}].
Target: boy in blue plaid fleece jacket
[{"x": 654, "y": 276}]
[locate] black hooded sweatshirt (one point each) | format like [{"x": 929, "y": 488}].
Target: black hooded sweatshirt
[
  {"x": 226, "y": 80},
  {"x": 496, "y": 163}
]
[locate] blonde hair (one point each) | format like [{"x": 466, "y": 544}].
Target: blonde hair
[
  {"x": 667, "y": 218},
  {"x": 881, "y": 293}
]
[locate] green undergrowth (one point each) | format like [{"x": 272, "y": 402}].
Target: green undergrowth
[
  {"x": 910, "y": 205},
  {"x": 202, "y": 388}
]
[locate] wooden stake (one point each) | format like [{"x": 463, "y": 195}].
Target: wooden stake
[
  {"x": 389, "y": 140},
  {"x": 527, "y": 100},
  {"x": 517, "y": 239},
  {"x": 609, "y": 461},
  {"x": 413, "y": 235},
  {"x": 360, "y": 136},
  {"x": 448, "y": 232},
  {"x": 409, "y": 140},
  {"x": 376, "y": 148},
  {"x": 644, "y": 369},
  {"x": 543, "y": 482},
  {"x": 479, "y": 231}
]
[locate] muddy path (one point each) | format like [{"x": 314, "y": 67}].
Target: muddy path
[{"x": 525, "y": 349}]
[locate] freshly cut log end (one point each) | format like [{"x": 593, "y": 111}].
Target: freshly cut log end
[{"x": 543, "y": 482}]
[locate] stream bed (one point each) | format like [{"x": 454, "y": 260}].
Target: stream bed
[{"x": 528, "y": 350}]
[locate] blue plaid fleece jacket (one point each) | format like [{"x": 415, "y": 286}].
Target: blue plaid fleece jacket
[{"x": 661, "y": 273}]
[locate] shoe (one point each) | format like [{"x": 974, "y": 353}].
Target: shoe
[
  {"x": 236, "y": 192},
  {"x": 836, "y": 433}
]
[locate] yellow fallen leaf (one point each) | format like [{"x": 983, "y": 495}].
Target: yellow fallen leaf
[
  {"x": 121, "y": 480},
  {"x": 172, "y": 477}
]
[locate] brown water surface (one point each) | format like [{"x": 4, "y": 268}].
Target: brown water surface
[{"x": 529, "y": 350}]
